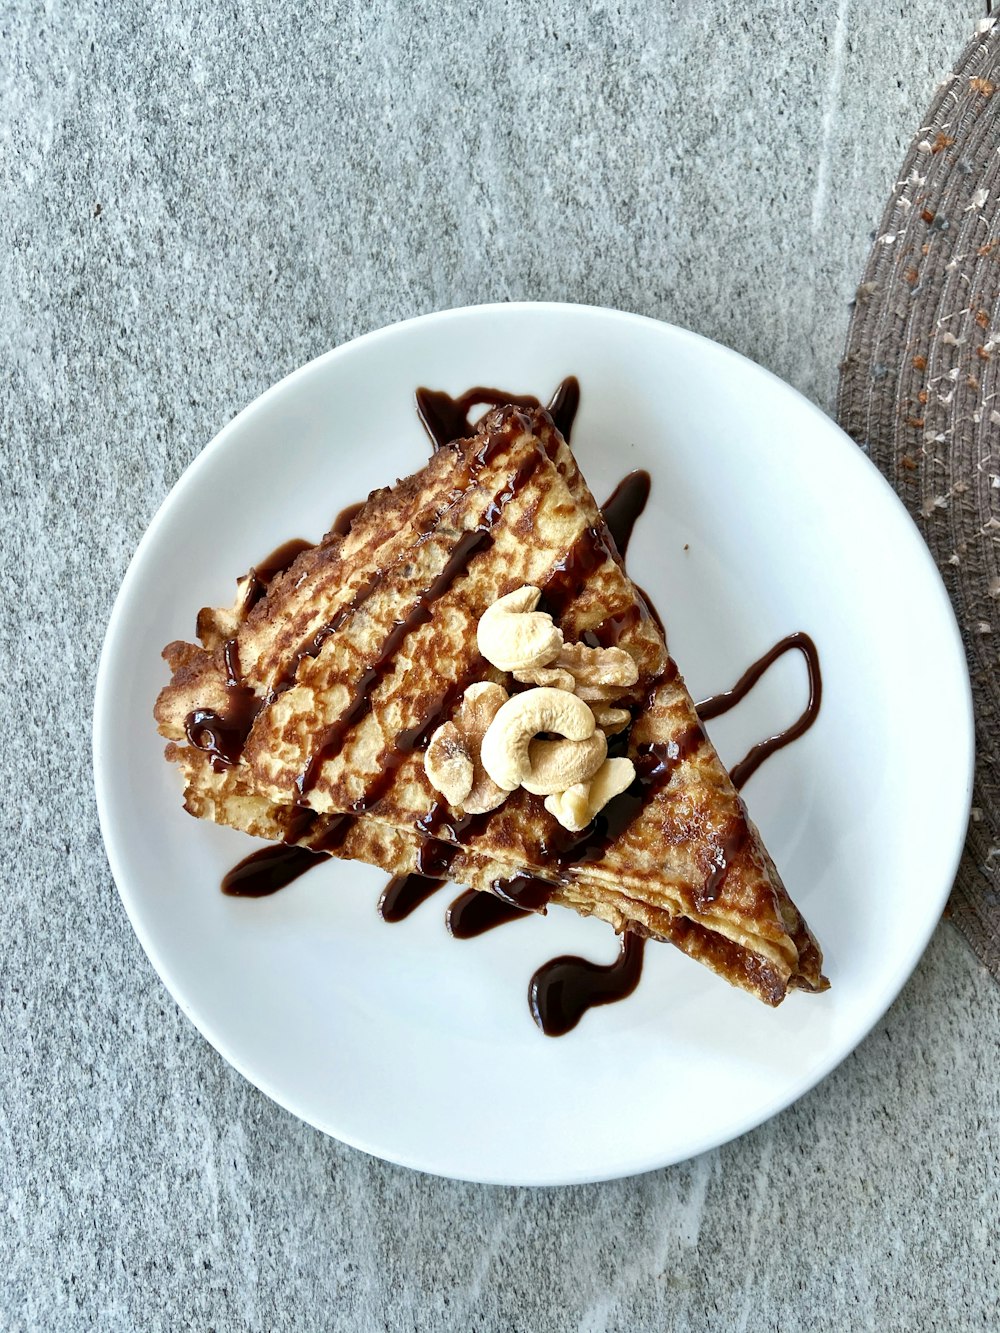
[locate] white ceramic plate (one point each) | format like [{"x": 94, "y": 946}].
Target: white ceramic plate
[{"x": 764, "y": 519}]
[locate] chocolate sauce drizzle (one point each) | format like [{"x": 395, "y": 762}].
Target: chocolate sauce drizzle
[
  {"x": 446, "y": 419},
  {"x": 262, "y": 574},
  {"x": 623, "y": 507},
  {"x": 269, "y": 870},
  {"x": 342, "y": 523},
  {"x": 570, "y": 575},
  {"x": 562, "y": 990},
  {"x": 722, "y": 703},
  {"x": 473, "y": 913},
  {"x": 735, "y": 837},
  {"x": 223, "y": 735},
  {"x": 525, "y": 893},
  {"x": 564, "y": 405},
  {"x": 404, "y": 894},
  {"x": 311, "y": 647}
]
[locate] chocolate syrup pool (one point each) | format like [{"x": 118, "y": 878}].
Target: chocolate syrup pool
[{"x": 562, "y": 990}]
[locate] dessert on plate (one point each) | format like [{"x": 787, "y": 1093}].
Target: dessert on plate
[{"x": 467, "y": 685}]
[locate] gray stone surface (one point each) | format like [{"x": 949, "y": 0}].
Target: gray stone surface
[{"x": 194, "y": 204}]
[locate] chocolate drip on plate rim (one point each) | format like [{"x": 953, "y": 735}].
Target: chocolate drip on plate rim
[
  {"x": 272, "y": 868},
  {"x": 404, "y": 894},
  {"x": 475, "y": 912},
  {"x": 563, "y": 989}
]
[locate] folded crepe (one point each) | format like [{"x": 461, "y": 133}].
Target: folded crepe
[{"x": 304, "y": 713}]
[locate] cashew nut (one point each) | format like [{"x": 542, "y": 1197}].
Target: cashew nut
[
  {"x": 514, "y": 636},
  {"x": 480, "y": 704},
  {"x": 495, "y": 744},
  {"x": 448, "y": 764},
  {"x": 581, "y": 803},
  {"x": 556, "y": 765},
  {"x": 452, "y": 761},
  {"x": 505, "y": 750}
]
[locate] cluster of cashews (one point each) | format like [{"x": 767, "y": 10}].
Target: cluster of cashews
[{"x": 498, "y": 743}]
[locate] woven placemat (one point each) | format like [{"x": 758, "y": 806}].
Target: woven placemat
[{"x": 920, "y": 392}]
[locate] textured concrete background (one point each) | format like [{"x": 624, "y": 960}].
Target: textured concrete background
[{"x": 192, "y": 207}]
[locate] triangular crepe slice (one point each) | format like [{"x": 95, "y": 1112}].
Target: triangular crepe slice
[{"x": 366, "y": 644}]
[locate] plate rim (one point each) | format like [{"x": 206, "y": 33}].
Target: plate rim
[{"x": 102, "y": 780}]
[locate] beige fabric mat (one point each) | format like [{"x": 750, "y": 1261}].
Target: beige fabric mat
[{"x": 920, "y": 392}]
